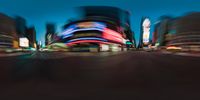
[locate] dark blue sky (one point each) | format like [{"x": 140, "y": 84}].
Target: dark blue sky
[{"x": 38, "y": 12}]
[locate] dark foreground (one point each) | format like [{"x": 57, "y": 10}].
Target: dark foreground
[{"x": 124, "y": 76}]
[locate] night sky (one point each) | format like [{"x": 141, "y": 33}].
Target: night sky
[{"x": 38, "y": 12}]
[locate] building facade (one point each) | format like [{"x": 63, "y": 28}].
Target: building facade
[
  {"x": 99, "y": 29},
  {"x": 21, "y": 26},
  {"x": 145, "y": 32},
  {"x": 31, "y": 35},
  {"x": 184, "y": 32},
  {"x": 50, "y": 32},
  {"x": 8, "y": 34},
  {"x": 162, "y": 30}
]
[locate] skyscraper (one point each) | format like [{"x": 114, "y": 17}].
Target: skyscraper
[
  {"x": 8, "y": 36},
  {"x": 184, "y": 32},
  {"x": 117, "y": 16},
  {"x": 50, "y": 32},
  {"x": 99, "y": 30},
  {"x": 31, "y": 35},
  {"x": 21, "y": 26},
  {"x": 162, "y": 29},
  {"x": 144, "y": 32}
]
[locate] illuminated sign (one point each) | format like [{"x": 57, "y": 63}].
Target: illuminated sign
[
  {"x": 104, "y": 47},
  {"x": 83, "y": 26},
  {"x": 146, "y": 37},
  {"x": 49, "y": 38},
  {"x": 112, "y": 38},
  {"x": 91, "y": 24},
  {"x": 129, "y": 43},
  {"x": 146, "y": 30},
  {"x": 23, "y": 42},
  {"x": 113, "y": 35}
]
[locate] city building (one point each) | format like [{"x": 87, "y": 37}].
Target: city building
[
  {"x": 184, "y": 32},
  {"x": 99, "y": 30},
  {"x": 21, "y": 26},
  {"x": 155, "y": 34},
  {"x": 144, "y": 39},
  {"x": 117, "y": 16},
  {"x": 50, "y": 33},
  {"x": 31, "y": 35},
  {"x": 161, "y": 29},
  {"x": 8, "y": 34},
  {"x": 22, "y": 29},
  {"x": 15, "y": 34},
  {"x": 181, "y": 33}
]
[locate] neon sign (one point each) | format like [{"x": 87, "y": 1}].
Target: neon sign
[
  {"x": 84, "y": 26},
  {"x": 112, "y": 35},
  {"x": 23, "y": 42},
  {"x": 146, "y": 30}
]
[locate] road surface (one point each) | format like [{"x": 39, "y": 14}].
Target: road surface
[{"x": 133, "y": 75}]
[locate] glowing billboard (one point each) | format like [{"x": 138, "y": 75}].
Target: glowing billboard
[
  {"x": 93, "y": 32},
  {"x": 83, "y": 26},
  {"x": 113, "y": 35},
  {"x": 23, "y": 42},
  {"x": 104, "y": 47},
  {"x": 146, "y": 30}
]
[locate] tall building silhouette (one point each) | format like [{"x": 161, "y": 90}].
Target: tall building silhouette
[
  {"x": 50, "y": 32},
  {"x": 31, "y": 35},
  {"x": 8, "y": 34}
]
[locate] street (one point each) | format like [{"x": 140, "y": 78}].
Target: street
[{"x": 131, "y": 75}]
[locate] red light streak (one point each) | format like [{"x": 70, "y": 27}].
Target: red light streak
[
  {"x": 112, "y": 35},
  {"x": 111, "y": 32}
]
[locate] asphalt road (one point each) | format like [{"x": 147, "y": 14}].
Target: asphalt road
[{"x": 106, "y": 76}]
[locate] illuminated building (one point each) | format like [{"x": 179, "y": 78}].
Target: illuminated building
[
  {"x": 91, "y": 34},
  {"x": 119, "y": 17},
  {"x": 145, "y": 32},
  {"x": 8, "y": 36},
  {"x": 98, "y": 29}
]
